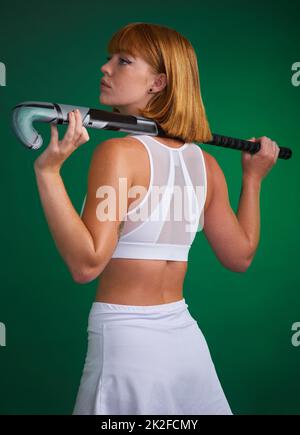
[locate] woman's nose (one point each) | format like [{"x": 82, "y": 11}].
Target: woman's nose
[{"x": 106, "y": 71}]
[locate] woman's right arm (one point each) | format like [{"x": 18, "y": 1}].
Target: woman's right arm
[{"x": 234, "y": 237}]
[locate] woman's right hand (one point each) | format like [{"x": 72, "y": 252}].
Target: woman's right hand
[{"x": 259, "y": 164}]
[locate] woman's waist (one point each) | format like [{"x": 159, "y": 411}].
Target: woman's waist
[
  {"x": 169, "y": 315},
  {"x": 134, "y": 280},
  {"x": 141, "y": 295}
]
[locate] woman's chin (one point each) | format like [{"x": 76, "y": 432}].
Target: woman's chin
[
  {"x": 103, "y": 99},
  {"x": 106, "y": 102}
]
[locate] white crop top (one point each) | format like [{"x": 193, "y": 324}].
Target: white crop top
[{"x": 162, "y": 224}]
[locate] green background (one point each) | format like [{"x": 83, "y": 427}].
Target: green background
[{"x": 54, "y": 52}]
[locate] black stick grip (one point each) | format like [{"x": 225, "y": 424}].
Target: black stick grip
[{"x": 245, "y": 145}]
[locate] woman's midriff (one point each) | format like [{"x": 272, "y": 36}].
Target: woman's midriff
[
  {"x": 141, "y": 282},
  {"x": 136, "y": 281}
]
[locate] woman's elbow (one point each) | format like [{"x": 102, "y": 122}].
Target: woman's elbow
[
  {"x": 81, "y": 280},
  {"x": 238, "y": 266},
  {"x": 84, "y": 277},
  {"x": 81, "y": 277},
  {"x": 243, "y": 268}
]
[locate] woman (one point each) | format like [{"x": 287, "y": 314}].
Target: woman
[{"x": 146, "y": 354}]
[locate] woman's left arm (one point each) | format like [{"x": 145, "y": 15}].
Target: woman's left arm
[{"x": 71, "y": 236}]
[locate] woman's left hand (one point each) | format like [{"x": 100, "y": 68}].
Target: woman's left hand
[{"x": 59, "y": 150}]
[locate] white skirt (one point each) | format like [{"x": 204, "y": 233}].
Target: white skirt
[{"x": 148, "y": 360}]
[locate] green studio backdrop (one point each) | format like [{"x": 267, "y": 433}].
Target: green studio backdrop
[{"x": 246, "y": 52}]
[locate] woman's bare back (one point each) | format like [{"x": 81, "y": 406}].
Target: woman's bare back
[{"x": 139, "y": 281}]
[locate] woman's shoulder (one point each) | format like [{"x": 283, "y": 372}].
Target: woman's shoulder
[
  {"x": 126, "y": 142},
  {"x": 207, "y": 156},
  {"x": 118, "y": 144},
  {"x": 209, "y": 164}
]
